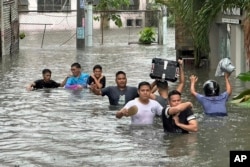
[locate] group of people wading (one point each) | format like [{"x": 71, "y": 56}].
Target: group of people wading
[{"x": 142, "y": 103}]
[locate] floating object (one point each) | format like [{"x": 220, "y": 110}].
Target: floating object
[
  {"x": 164, "y": 69},
  {"x": 132, "y": 110}
]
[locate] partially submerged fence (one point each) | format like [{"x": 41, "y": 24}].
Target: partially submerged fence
[{"x": 48, "y": 24}]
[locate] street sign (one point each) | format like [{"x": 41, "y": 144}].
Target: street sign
[
  {"x": 80, "y": 33},
  {"x": 82, "y": 4},
  {"x": 231, "y": 21}
]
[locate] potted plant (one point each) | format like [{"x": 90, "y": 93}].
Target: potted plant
[{"x": 147, "y": 35}]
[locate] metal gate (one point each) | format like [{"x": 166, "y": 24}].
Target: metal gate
[{"x": 9, "y": 27}]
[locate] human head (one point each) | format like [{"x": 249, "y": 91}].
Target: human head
[
  {"x": 211, "y": 88},
  {"x": 162, "y": 85},
  {"x": 76, "y": 69},
  {"x": 97, "y": 70},
  {"x": 144, "y": 90},
  {"x": 121, "y": 79},
  {"x": 46, "y": 74},
  {"x": 174, "y": 98}
]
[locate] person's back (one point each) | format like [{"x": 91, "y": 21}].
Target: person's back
[{"x": 213, "y": 103}]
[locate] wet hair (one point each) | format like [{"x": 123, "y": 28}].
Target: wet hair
[
  {"x": 173, "y": 92},
  {"x": 77, "y": 65},
  {"x": 46, "y": 71},
  {"x": 162, "y": 84},
  {"x": 143, "y": 84},
  {"x": 120, "y": 72},
  {"x": 97, "y": 67}
]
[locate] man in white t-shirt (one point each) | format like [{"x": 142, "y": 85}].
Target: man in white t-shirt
[{"x": 147, "y": 108}]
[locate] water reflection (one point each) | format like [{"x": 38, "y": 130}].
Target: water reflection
[{"x": 58, "y": 127}]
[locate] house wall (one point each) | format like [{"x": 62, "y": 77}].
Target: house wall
[
  {"x": 227, "y": 40},
  {"x": 62, "y": 21}
]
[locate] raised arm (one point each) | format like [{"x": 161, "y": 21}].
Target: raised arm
[
  {"x": 153, "y": 90},
  {"x": 179, "y": 108},
  {"x": 97, "y": 81},
  {"x": 182, "y": 77},
  {"x": 193, "y": 80},
  {"x": 228, "y": 85},
  {"x": 153, "y": 87}
]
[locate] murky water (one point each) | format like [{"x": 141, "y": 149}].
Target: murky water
[{"x": 63, "y": 128}]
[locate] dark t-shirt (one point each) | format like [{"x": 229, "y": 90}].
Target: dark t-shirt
[
  {"x": 169, "y": 124},
  {"x": 115, "y": 94},
  {"x": 41, "y": 84},
  {"x": 102, "y": 81},
  {"x": 161, "y": 100}
]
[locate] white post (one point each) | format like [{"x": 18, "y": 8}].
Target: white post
[
  {"x": 164, "y": 25},
  {"x": 89, "y": 25},
  {"x": 2, "y": 29},
  {"x": 238, "y": 52}
]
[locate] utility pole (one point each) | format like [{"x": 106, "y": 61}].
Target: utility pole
[{"x": 80, "y": 25}]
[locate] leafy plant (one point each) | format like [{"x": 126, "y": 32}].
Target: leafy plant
[
  {"x": 107, "y": 8},
  {"x": 147, "y": 35},
  {"x": 243, "y": 99},
  {"x": 244, "y": 76}
]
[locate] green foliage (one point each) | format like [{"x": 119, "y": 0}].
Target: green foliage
[
  {"x": 244, "y": 76},
  {"x": 116, "y": 19},
  {"x": 108, "y": 5},
  {"x": 105, "y": 6},
  {"x": 147, "y": 35},
  {"x": 198, "y": 16},
  {"x": 171, "y": 20},
  {"x": 22, "y": 35},
  {"x": 243, "y": 99},
  {"x": 242, "y": 94}
]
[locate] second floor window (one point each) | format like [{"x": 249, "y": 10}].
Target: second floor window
[{"x": 54, "y": 5}]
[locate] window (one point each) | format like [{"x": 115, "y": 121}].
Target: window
[
  {"x": 138, "y": 22},
  {"x": 134, "y": 4},
  {"x": 129, "y": 22},
  {"x": 23, "y": 4},
  {"x": 54, "y": 5}
]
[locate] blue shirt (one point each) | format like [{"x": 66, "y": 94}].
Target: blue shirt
[
  {"x": 72, "y": 82},
  {"x": 214, "y": 105}
]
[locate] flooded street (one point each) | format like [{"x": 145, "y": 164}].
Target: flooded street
[{"x": 63, "y": 128}]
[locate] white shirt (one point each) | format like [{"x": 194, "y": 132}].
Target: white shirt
[{"x": 146, "y": 112}]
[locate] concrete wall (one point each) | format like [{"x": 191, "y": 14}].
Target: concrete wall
[{"x": 227, "y": 40}]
